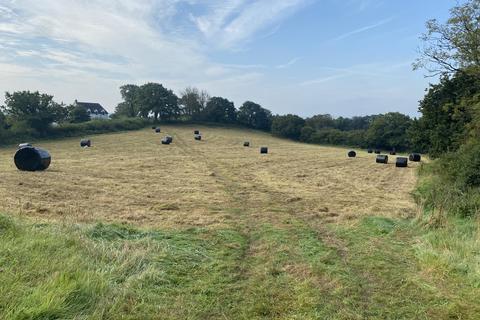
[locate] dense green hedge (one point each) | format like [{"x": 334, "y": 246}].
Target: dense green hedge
[{"x": 20, "y": 132}]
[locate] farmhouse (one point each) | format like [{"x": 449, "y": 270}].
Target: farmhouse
[{"x": 95, "y": 110}]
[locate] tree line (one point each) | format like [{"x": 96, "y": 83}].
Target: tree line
[{"x": 34, "y": 112}]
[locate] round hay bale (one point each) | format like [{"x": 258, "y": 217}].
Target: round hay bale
[
  {"x": 32, "y": 159},
  {"x": 165, "y": 141},
  {"x": 370, "y": 150},
  {"x": 196, "y": 132},
  {"x": 382, "y": 158},
  {"x": 352, "y": 154},
  {"x": 264, "y": 150},
  {"x": 85, "y": 143},
  {"x": 393, "y": 152},
  {"x": 246, "y": 144},
  {"x": 198, "y": 137},
  {"x": 415, "y": 157},
  {"x": 378, "y": 151},
  {"x": 23, "y": 145},
  {"x": 169, "y": 139},
  {"x": 401, "y": 162},
  {"x": 158, "y": 130}
]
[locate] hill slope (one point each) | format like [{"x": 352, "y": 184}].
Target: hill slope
[{"x": 210, "y": 229}]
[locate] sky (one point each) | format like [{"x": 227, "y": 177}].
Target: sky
[{"x": 307, "y": 57}]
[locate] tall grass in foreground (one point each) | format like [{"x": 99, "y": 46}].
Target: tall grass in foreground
[
  {"x": 449, "y": 248},
  {"x": 112, "y": 272},
  {"x": 100, "y": 271}
]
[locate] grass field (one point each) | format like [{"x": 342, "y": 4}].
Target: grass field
[{"x": 211, "y": 230}]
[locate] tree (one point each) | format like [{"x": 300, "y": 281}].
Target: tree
[
  {"x": 320, "y": 121},
  {"x": 389, "y": 131},
  {"x": 37, "y": 110},
  {"x": 254, "y": 116},
  {"x": 193, "y": 101},
  {"x": 77, "y": 114},
  {"x": 447, "y": 110},
  {"x": 288, "y": 126},
  {"x": 155, "y": 99},
  {"x": 129, "y": 107},
  {"x": 454, "y": 46},
  {"x": 219, "y": 109}
]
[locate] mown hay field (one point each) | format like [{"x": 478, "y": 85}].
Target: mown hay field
[
  {"x": 131, "y": 177},
  {"x": 132, "y": 229}
]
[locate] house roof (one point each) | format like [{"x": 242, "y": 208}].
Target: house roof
[{"x": 92, "y": 106}]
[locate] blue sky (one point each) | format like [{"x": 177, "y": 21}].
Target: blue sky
[{"x": 350, "y": 57}]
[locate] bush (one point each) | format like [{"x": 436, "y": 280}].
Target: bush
[{"x": 451, "y": 184}]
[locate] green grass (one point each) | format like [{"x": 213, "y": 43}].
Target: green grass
[{"x": 377, "y": 269}]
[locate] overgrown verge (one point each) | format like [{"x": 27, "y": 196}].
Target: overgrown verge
[{"x": 448, "y": 191}]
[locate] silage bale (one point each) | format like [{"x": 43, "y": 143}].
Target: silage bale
[
  {"x": 352, "y": 154},
  {"x": 32, "y": 159},
  {"x": 378, "y": 151},
  {"x": 153, "y": 128},
  {"x": 401, "y": 162},
  {"x": 158, "y": 130},
  {"x": 370, "y": 150},
  {"x": 196, "y": 132},
  {"x": 393, "y": 152},
  {"x": 382, "y": 158},
  {"x": 246, "y": 144},
  {"x": 23, "y": 145},
  {"x": 415, "y": 157},
  {"x": 85, "y": 143},
  {"x": 198, "y": 137},
  {"x": 264, "y": 150}
]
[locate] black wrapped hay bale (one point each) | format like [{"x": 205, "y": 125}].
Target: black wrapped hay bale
[
  {"x": 401, "y": 162},
  {"x": 382, "y": 158},
  {"x": 85, "y": 143},
  {"x": 393, "y": 152},
  {"x": 263, "y": 150},
  {"x": 415, "y": 157},
  {"x": 32, "y": 159},
  {"x": 378, "y": 151},
  {"x": 158, "y": 130},
  {"x": 352, "y": 154},
  {"x": 196, "y": 132},
  {"x": 198, "y": 137},
  {"x": 370, "y": 150},
  {"x": 246, "y": 144},
  {"x": 23, "y": 145},
  {"x": 167, "y": 140}
]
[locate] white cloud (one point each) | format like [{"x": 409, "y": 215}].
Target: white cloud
[
  {"x": 118, "y": 41},
  {"x": 235, "y": 21},
  {"x": 289, "y": 63},
  {"x": 364, "y": 29}
]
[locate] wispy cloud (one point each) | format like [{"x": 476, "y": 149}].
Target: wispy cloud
[
  {"x": 368, "y": 70},
  {"x": 236, "y": 21},
  {"x": 364, "y": 29},
  {"x": 289, "y": 63},
  {"x": 126, "y": 40}
]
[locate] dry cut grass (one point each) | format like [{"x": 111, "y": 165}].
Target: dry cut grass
[{"x": 131, "y": 177}]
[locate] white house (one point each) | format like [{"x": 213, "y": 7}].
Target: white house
[{"x": 95, "y": 110}]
